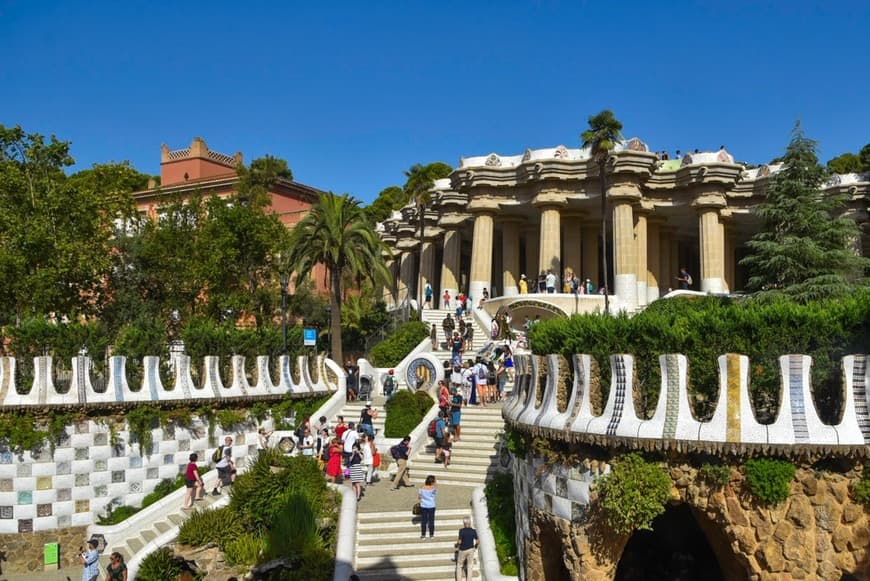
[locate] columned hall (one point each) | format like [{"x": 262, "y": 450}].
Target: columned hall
[{"x": 504, "y": 222}]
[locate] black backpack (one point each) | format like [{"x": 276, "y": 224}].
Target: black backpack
[{"x": 394, "y": 452}]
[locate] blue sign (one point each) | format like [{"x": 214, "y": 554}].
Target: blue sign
[{"x": 309, "y": 337}]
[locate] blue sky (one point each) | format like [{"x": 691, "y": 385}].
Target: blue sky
[{"x": 353, "y": 93}]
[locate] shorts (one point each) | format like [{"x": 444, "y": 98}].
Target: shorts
[
  {"x": 455, "y": 418},
  {"x": 190, "y": 483},
  {"x": 225, "y": 475},
  {"x": 439, "y": 442}
]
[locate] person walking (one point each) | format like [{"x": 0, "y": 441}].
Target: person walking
[
  {"x": 333, "y": 463},
  {"x": 349, "y": 438},
  {"x": 684, "y": 278},
  {"x": 193, "y": 482},
  {"x": 400, "y": 453},
  {"x": 357, "y": 470},
  {"x": 263, "y": 439},
  {"x": 448, "y": 325},
  {"x": 433, "y": 337},
  {"x": 368, "y": 452},
  {"x": 456, "y": 413},
  {"x": 90, "y": 560},
  {"x": 427, "y": 294},
  {"x": 117, "y": 569},
  {"x": 445, "y": 300},
  {"x": 367, "y": 419},
  {"x": 465, "y": 546},
  {"x": 524, "y": 285},
  {"x": 225, "y": 468},
  {"x": 426, "y": 495}
]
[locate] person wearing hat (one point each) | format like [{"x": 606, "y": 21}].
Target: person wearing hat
[
  {"x": 524, "y": 285},
  {"x": 90, "y": 560},
  {"x": 366, "y": 420}
]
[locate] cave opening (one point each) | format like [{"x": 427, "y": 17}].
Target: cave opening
[{"x": 676, "y": 549}]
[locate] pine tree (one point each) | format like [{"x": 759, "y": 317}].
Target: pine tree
[{"x": 806, "y": 247}]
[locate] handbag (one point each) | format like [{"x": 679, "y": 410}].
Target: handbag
[
  {"x": 376, "y": 459},
  {"x": 415, "y": 510}
]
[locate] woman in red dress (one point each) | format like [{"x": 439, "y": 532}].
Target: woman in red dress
[{"x": 333, "y": 465}]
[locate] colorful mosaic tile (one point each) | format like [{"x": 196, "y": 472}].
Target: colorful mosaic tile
[
  {"x": 25, "y": 525},
  {"x": 135, "y": 487},
  {"x": 62, "y": 440},
  {"x": 5, "y": 457},
  {"x": 578, "y": 512},
  {"x": 25, "y": 497},
  {"x": 83, "y": 479},
  {"x": 117, "y": 476},
  {"x": 82, "y": 427},
  {"x": 43, "y": 483},
  {"x": 63, "y": 468},
  {"x": 183, "y": 445},
  {"x": 169, "y": 432},
  {"x": 7, "y": 512},
  {"x": 64, "y": 521},
  {"x": 64, "y": 494},
  {"x": 101, "y": 490},
  {"x": 152, "y": 473},
  {"x": 83, "y": 505},
  {"x": 24, "y": 470},
  {"x": 101, "y": 466},
  {"x": 169, "y": 459},
  {"x": 41, "y": 454},
  {"x": 43, "y": 510},
  {"x": 135, "y": 462},
  {"x": 101, "y": 439},
  {"x": 82, "y": 453},
  {"x": 119, "y": 451},
  {"x": 5, "y": 485}
]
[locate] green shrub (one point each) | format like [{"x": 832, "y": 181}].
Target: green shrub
[
  {"x": 718, "y": 474},
  {"x": 391, "y": 351},
  {"x": 705, "y": 328},
  {"x": 164, "y": 488},
  {"x": 117, "y": 514},
  {"x": 294, "y": 529},
  {"x": 861, "y": 489},
  {"x": 259, "y": 494},
  {"x": 160, "y": 565},
  {"x": 768, "y": 478},
  {"x": 140, "y": 421},
  {"x": 502, "y": 514},
  {"x": 633, "y": 494},
  {"x": 244, "y": 549},
  {"x": 210, "y": 526},
  {"x": 228, "y": 419},
  {"x": 516, "y": 443},
  {"x": 405, "y": 411}
]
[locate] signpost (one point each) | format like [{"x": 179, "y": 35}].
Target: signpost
[{"x": 309, "y": 337}]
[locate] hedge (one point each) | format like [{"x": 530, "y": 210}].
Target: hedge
[
  {"x": 391, "y": 351},
  {"x": 705, "y": 328},
  {"x": 405, "y": 411}
]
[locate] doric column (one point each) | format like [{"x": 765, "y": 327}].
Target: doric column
[
  {"x": 550, "y": 203},
  {"x": 450, "y": 266},
  {"x": 654, "y": 258},
  {"x": 427, "y": 270},
  {"x": 591, "y": 232},
  {"x": 572, "y": 242},
  {"x": 624, "y": 254},
  {"x": 406, "y": 276},
  {"x": 730, "y": 283},
  {"x": 640, "y": 239},
  {"x": 481, "y": 250},
  {"x": 510, "y": 256},
  {"x": 712, "y": 238}
]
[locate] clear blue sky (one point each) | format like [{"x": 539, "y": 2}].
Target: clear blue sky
[{"x": 353, "y": 93}]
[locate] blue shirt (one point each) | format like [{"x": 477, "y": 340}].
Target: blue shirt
[
  {"x": 92, "y": 565},
  {"x": 427, "y": 497}
]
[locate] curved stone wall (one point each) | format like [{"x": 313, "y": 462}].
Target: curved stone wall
[{"x": 818, "y": 532}]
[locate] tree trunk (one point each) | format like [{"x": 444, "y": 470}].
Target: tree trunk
[
  {"x": 335, "y": 314},
  {"x": 602, "y": 176}
]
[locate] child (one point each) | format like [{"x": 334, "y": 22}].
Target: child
[{"x": 446, "y": 449}]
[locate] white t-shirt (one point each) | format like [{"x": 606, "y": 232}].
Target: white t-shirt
[
  {"x": 368, "y": 457},
  {"x": 308, "y": 445},
  {"x": 551, "y": 280},
  {"x": 349, "y": 438}
]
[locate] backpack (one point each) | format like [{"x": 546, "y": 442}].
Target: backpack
[
  {"x": 300, "y": 431},
  {"x": 394, "y": 452},
  {"x": 432, "y": 427},
  {"x": 689, "y": 279},
  {"x": 217, "y": 454}
]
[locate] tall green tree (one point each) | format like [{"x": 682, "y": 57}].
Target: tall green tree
[
  {"x": 389, "y": 199},
  {"x": 56, "y": 231},
  {"x": 604, "y": 132},
  {"x": 845, "y": 163},
  {"x": 804, "y": 249},
  {"x": 418, "y": 189},
  {"x": 336, "y": 233}
]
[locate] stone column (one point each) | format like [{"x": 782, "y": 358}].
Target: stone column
[
  {"x": 450, "y": 264},
  {"x": 510, "y": 256},
  {"x": 550, "y": 250},
  {"x": 481, "y": 252},
  {"x": 730, "y": 283},
  {"x": 572, "y": 236},
  {"x": 640, "y": 239},
  {"x": 654, "y": 259},
  {"x": 406, "y": 276},
  {"x": 591, "y": 232},
  {"x": 624, "y": 254},
  {"x": 427, "y": 270},
  {"x": 712, "y": 240},
  {"x": 532, "y": 268}
]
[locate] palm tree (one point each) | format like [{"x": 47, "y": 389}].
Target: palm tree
[
  {"x": 604, "y": 132},
  {"x": 337, "y": 234},
  {"x": 418, "y": 185}
]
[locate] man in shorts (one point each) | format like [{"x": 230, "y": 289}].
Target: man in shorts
[{"x": 225, "y": 468}]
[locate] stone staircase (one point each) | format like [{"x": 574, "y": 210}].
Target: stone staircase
[
  {"x": 474, "y": 456},
  {"x": 436, "y": 316},
  {"x": 352, "y": 411},
  {"x": 389, "y": 546}
]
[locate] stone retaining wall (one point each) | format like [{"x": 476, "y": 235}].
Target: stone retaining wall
[{"x": 24, "y": 552}]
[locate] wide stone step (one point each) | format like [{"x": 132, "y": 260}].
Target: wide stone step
[
  {"x": 411, "y": 546},
  {"x": 135, "y": 545},
  {"x": 411, "y": 560},
  {"x": 433, "y": 573},
  {"x": 366, "y": 517}
]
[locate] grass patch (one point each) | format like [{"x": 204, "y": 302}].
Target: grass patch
[{"x": 502, "y": 513}]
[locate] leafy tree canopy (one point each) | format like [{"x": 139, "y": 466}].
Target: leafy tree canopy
[
  {"x": 605, "y": 130},
  {"x": 418, "y": 181},
  {"x": 851, "y": 162},
  {"x": 804, "y": 249}
]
